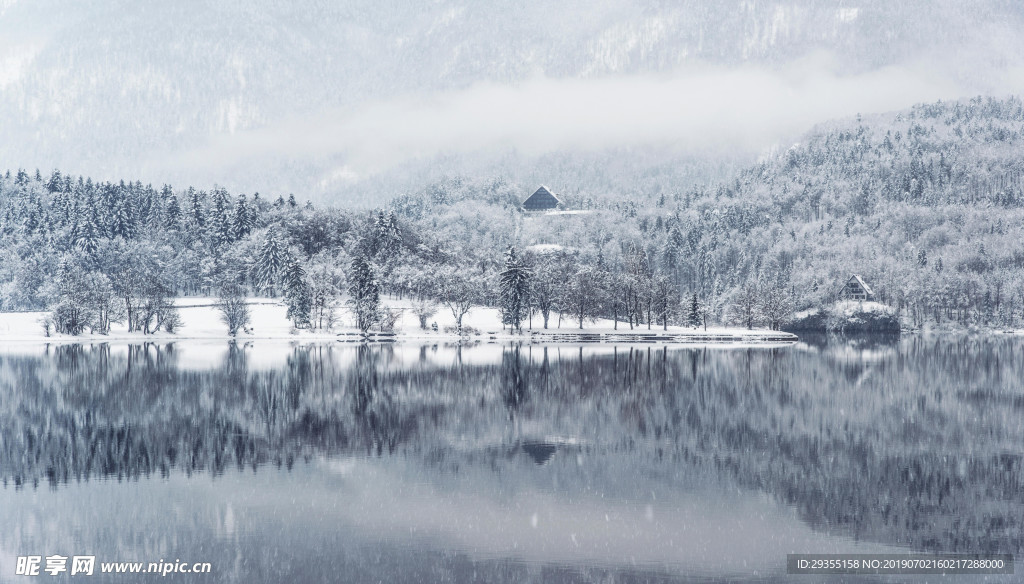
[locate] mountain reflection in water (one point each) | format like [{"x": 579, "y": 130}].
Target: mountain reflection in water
[{"x": 550, "y": 463}]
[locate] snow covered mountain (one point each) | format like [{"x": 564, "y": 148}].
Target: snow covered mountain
[{"x": 355, "y": 101}]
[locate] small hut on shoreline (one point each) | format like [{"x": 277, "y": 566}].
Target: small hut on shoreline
[{"x": 856, "y": 289}]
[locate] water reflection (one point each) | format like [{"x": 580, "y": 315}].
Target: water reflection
[{"x": 912, "y": 443}]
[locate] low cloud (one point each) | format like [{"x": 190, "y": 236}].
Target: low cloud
[{"x": 698, "y": 110}]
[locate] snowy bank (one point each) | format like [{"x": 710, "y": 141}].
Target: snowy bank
[{"x": 200, "y": 320}]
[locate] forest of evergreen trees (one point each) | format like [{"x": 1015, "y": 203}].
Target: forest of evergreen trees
[{"x": 925, "y": 204}]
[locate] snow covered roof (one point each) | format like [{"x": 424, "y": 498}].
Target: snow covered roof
[
  {"x": 541, "y": 199},
  {"x": 864, "y": 285}
]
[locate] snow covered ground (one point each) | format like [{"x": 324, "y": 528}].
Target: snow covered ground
[{"x": 201, "y": 321}]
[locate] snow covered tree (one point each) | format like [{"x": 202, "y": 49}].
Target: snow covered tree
[
  {"x": 70, "y": 315},
  {"x": 745, "y": 305},
  {"x": 196, "y": 209},
  {"x": 157, "y": 308},
  {"x": 545, "y": 290},
  {"x": 423, "y": 309},
  {"x": 88, "y": 236},
  {"x": 364, "y": 294},
  {"x": 234, "y": 311},
  {"x": 459, "y": 291},
  {"x": 514, "y": 289},
  {"x": 387, "y": 235},
  {"x": 583, "y": 292},
  {"x": 270, "y": 264},
  {"x": 693, "y": 315},
  {"x": 326, "y": 284},
  {"x": 665, "y": 299},
  {"x": 221, "y": 228},
  {"x": 103, "y": 304},
  {"x": 775, "y": 305},
  {"x": 123, "y": 221},
  {"x": 172, "y": 213},
  {"x": 55, "y": 183},
  {"x": 244, "y": 219},
  {"x": 297, "y": 295}
]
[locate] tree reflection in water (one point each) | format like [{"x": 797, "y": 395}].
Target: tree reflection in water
[{"x": 913, "y": 442}]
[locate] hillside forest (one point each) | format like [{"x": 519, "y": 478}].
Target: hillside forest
[{"x": 925, "y": 204}]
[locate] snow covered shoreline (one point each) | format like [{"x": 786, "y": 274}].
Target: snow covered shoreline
[{"x": 201, "y": 322}]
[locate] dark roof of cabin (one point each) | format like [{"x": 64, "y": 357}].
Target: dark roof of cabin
[
  {"x": 864, "y": 285},
  {"x": 542, "y": 198}
]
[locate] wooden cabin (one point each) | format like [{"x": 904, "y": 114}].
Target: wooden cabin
[
  {"x": 856, "y": 289},
  {"x": 541, "y": 200}
]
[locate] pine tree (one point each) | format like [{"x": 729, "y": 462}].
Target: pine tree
[
  {"x": 88, "y": 234},
  {"x": 388, "y": 234},
  {"x": 298, "y": 296},
  {"x": 88, "y": 238},
  {"x": 172, "y": 214},
  {"x": 695, "y": 311},
  {"x": 196, "y": 210},
  {"x": 515, "y": 285},
  {"x": 254, "y": 210},
  {"x": 364, "y": 294},
  {"x": 244, "y": 218},
  {"x": 123, "y": 224},
  {"x": 270, "y": 263},
  {"x": 221, "y": 230},
  {"x": 55, "y": 182}
]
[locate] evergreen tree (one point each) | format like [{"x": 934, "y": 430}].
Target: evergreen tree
[
  {"x": 298, "y": 296},
  {"x": 244, "y": 220},
  {"x": 270, "y": 264},
  {"x": 515, "y": 285},
  {"x": 88, "y": 234},
  {"x": 694, "y": 316},
  {"x": 196, "y": 209},
  {"x": 364, "y": 294},
  {"x": 221, "y": 229},
  {"x": 172, "y": 214},
  {"x": 123, "y": 224},
  {"x": 388, "y": 235},
  {"x": 55, "y": 183}
]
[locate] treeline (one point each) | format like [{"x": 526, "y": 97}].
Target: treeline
[
  {"x": 101, "y": 254},
  {"x": 927, "y": 205}
]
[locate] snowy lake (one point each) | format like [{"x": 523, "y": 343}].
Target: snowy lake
[{"x": 500, "y": 463}]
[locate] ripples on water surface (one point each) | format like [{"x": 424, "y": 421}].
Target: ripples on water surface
[{"x": 499, "y": 463}]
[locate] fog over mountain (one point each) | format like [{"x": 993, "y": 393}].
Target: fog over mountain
[{"x": 354, "y": 102}]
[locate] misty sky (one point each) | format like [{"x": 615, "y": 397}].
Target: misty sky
[
  {"x": 317, "y": 98},
  {"x": 701, "y": 110}
]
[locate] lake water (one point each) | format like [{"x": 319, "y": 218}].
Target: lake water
[{"x": 497, "y": 463}]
